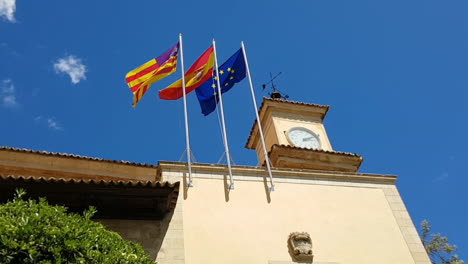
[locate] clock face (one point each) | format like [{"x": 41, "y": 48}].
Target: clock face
[{"x": 303, "y": 138}]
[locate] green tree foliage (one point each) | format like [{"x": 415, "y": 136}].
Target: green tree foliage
[
  {"x": 35, "y": 232},
  {"x": 438, "y": 247}
]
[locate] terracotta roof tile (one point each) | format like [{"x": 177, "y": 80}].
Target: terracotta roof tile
[
  {"x": 320, "y": 150},
  {"x": 74, "y": 156},
  {"x": 102, "y": 182},
  {"x": 293, "y": 102}
]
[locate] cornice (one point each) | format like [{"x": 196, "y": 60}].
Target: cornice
[{"x": 256, "y": 171}]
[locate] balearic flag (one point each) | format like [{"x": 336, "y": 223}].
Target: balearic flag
[
  {"x": 198, "y": 73},
  {"x": 231, "y": 72},
  {"x": 140, "y": 79}
]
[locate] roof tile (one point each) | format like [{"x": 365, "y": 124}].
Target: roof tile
[
  {"x": 320, "y": 150},
  {"x": 106, "y": 182},
  {"x": 74, "y": 156}
]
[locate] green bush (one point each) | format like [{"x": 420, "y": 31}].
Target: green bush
[{"x": 35, "y": 232}]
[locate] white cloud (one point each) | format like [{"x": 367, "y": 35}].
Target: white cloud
[
  {"x": 7, "y": 94},
  {"x": 442, "y": 177},
  {"x": 72, "y": 66},
  {"x": 53, "y": 124},
  {"x": 7, "y": 9},
  {"x": 49, "y": 121},
  {"x": 7, "y": 86},
  {"x": 9, "y": 100}
]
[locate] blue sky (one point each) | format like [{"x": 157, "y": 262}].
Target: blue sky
[{"x": 393, "y": 72}]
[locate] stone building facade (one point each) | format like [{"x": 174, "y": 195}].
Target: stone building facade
[{"x": 322, "y": 209}]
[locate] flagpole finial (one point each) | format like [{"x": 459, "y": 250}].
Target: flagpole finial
[{"x": 180, "y": 34}]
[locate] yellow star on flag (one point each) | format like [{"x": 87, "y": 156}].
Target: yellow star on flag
[
  {"x": 213, "y": 85},
  {"x": 221, "y": 72}
]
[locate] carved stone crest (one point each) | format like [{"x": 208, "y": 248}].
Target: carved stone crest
[{"x": 300, "y": 247}]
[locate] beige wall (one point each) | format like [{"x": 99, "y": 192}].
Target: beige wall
[
  {"x": 347, "y": 224},
  {"x": 351, "y": 217},
  {"x": 284, "y": 121},
  {"x": 271, "y": 138},
  {"x": 148, "y": 233},
  {"x": 162, "y": 239},
  {"x": 349, "y": 221},
  {"x": 276, "y": 123}
]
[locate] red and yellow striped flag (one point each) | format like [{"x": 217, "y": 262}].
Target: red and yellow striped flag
[
  {"x": 198, "y": 73},
  {"x": 140, "y": 79}
]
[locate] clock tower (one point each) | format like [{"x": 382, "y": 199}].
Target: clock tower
[{"x": 295, "y": 137}]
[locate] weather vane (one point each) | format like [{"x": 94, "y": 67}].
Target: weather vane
[{"x": 275, "y": 93}]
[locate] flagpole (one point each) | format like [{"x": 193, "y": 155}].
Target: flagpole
[
  {"x": 187, "y": 137},
  {"x": 228, "y": 155},
  {"x": 267, "y": 160}
]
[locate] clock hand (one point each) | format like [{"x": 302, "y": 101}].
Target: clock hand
[{"x": 307, "y": 139}]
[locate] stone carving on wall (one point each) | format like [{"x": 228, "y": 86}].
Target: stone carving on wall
[{"x": 300, "y": 247}]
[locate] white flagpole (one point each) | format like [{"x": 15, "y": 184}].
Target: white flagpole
[
  {"x": 260, "y": 130},
  {"x": 228, "y": 155},
  {"x": 187, "y": 137}
]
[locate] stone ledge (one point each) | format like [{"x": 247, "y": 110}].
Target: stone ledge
[
  {"x": 292, "y": 262},
  {"x": 260, "y": 172}
]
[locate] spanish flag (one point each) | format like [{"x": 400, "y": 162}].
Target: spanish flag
[
  {"x": 140, "y": 79},
  {"x": 198, "y": 73}
]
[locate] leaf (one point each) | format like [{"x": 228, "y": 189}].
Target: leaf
[{"x": 35, "y": 232}]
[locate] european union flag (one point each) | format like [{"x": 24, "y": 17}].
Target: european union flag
[{"x": 230, "y": 73}]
